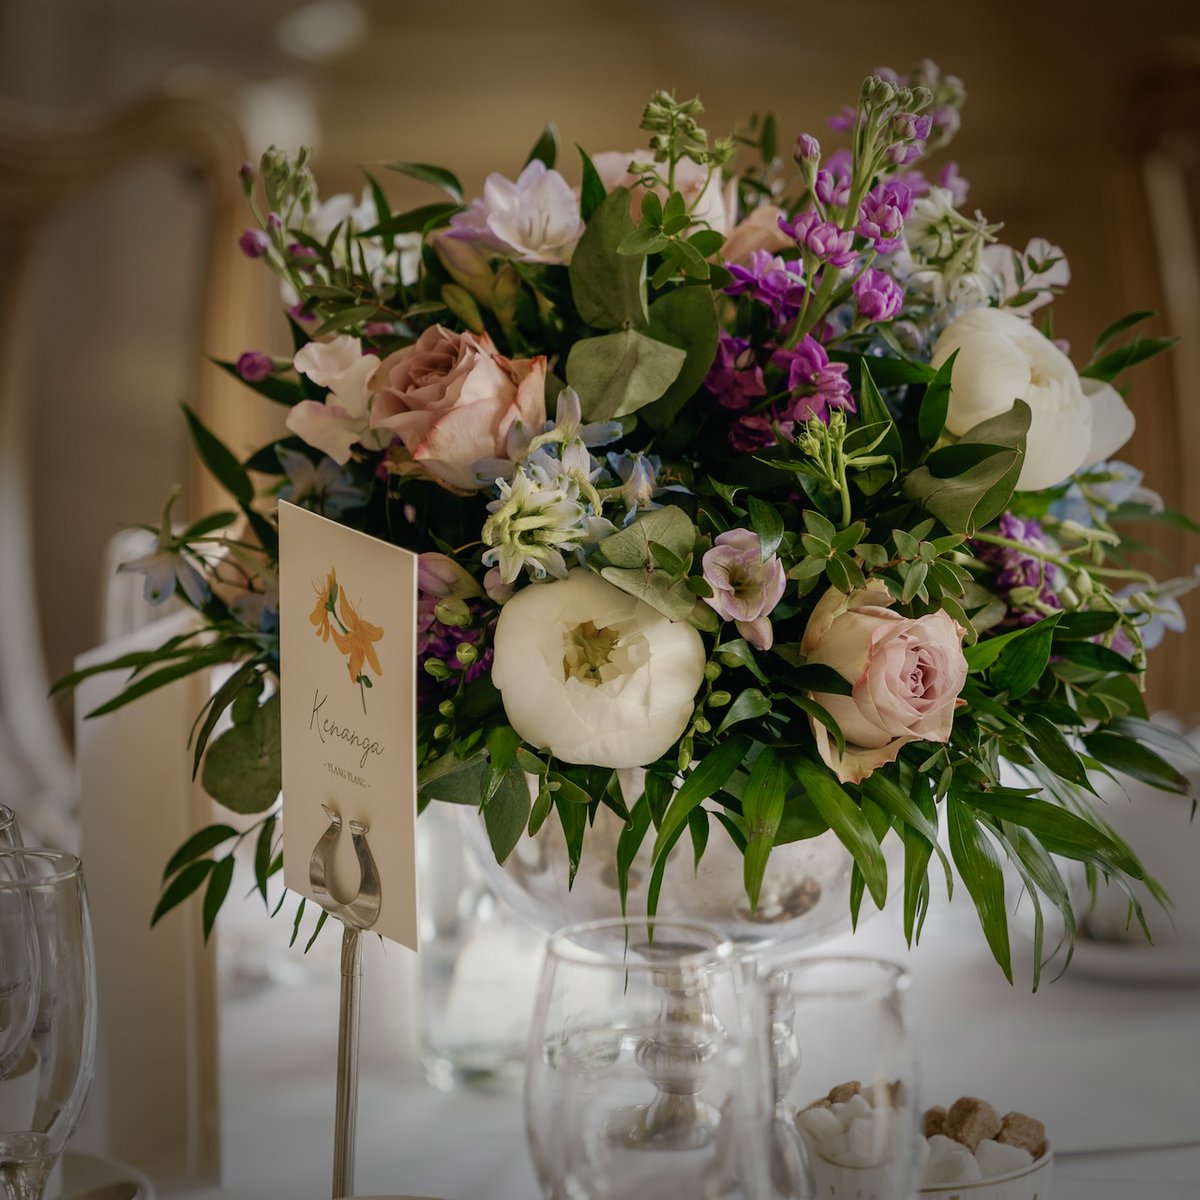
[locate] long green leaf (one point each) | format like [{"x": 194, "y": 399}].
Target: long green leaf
[
  {"x": 215, "y": 893},
  {"x": 181, "y": 887},
  {"x": 629, "y": 843},
  {"x": 1119, "y": 752},
  {"x": 979, "y": 869},
  {"x": 199, "y": 660},
  {"x": 895, "y": 800},
  {"x": 706, "y": 777},
  {"x": 438, "y": 176},
  {"x": 201, "y": 842},
  {"x": 846, "y": 820},
  {"x": 762, "y": 810},
  {"x": 219, "y": 459}
]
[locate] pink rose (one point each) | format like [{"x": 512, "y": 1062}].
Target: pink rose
[
  {"x": 906, "y": 673},
  {"x": 452, "y": 400},
  {"x": 757, "y": 231},
  {"x": 745, "y": 589},
  {"x": 709, "y": 200}
]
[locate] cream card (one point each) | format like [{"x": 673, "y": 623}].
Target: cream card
[{"x": 348, "y": 632}]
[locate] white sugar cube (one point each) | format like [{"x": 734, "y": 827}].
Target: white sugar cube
[
  {"x": 940, "y": 1144},
  {"x": 851, "y": 1159},
  {"x": 820, "y": 1123},
  {"x": 950, "y": 1166},
  {"x": 867, "y": 1137},
  {"x": 857, "y": 1106},
  {"x": 995, "y": 1158}
]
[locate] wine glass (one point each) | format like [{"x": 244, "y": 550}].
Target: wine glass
[
  {"x": 10, "y": 832},
  {"x": 19, "y": 965},
  {"x": 40, "y": 1106},
  {"x": 835, "y": 1044},
  {"x": 636, "y": 1082}
]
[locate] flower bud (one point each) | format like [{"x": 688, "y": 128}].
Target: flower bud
[
  {"x": 446, "y": 708},
  {"x": 497, "y": 590},
  {"x": 274, "y": 222},
  {"x": 712, "y": 671},
  {"x": 454, "y": 612},
  {"x": 466, "y": 653},
  {"x": 437, "y": 669},
  {"x": 254, "y": 366},
  {"x": 505, "y": 293},
  {"x": 462, "y": 304},
  {"x": 246, "y": 176},
  {"x": 465, "y": 263},
  {"x": 719, "y": 699},
  {"x": 807, "y": 148},
  {"x": 254, "y": 243},
  {"x": 441, "y": 731}
]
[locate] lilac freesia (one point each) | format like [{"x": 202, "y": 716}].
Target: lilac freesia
[
  {"x": 879, "y": 296},
  {"x": 254, "y": 366},
  {"x": 534, "y": 219},
  {"x": 745, "y": 587},
  {"x": 752, "y": 431},
  {"x": 253, "y": 243}
]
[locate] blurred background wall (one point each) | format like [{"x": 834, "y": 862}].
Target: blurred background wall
[{"x": 1082, "y": 125}]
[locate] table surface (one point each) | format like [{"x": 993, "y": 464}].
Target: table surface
[{"x": 1112, "y": 1067}]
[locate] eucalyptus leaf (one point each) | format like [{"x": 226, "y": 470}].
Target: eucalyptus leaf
[
  {"x": 618, "y": 373},
  {"x": 609, "y": 288},
  {"x": 685, "y": 318},
  {"x": 506, "y": 812},
  {"x": 242, "y": 766}
]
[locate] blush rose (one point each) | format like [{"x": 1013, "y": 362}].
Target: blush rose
[
  {"x": 906, "y": 674},
  {"x": 452, "y": 399}
]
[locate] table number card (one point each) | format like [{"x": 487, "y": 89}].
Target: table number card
[{"x": 348, "y": 621}]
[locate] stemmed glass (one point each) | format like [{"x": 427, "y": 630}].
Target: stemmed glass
[
  {"x": 10, "y": 833},
  {"x": 42, "y": 1099},
  {"x": 636, "y": 1082},
  {"x": 835, "y": 1046}
]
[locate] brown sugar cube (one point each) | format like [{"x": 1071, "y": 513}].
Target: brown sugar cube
[
  {"x": 843, "y": 1091},
  {"x": 899, "y": 1093},
  {"x": 934, "y": 1121},
  {"x": 970, "y": 1120},
  {"x": 824, "y": 1102},
  {"x": 1027, "y": 1132}
]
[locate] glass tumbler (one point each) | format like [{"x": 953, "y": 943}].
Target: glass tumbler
[{"x": 636, "y": 1083}]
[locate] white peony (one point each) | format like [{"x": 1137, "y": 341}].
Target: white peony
[
  {"x": 1001, "y": 358},
  {"x": 593, "y": 674}
]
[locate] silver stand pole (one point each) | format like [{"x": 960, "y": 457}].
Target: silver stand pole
[
  {"x": 356, "y": 916},
  {"x": 346, "y": 1118}
]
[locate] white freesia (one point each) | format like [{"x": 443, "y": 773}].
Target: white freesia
[
  {"x": 533, "y": 219},
  {"x": 343, "y": 420},
  {"x": 593, "y": 674},
  {"x": 1002, "y": 358}
]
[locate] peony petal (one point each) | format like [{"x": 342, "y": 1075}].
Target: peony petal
[{"x": 1113, "y": 421}]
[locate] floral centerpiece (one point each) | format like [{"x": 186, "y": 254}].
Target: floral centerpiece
[{"x": 764, "y": 473}]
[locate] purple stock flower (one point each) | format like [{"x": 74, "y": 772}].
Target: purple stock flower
[
  {"x": 881, "y": 214},
  {"x": 254, "y": 243},
  {"x": 879, "y": 296},
  {"x": 735, "y": 378},
  {"x": 909, "y": 127},
  {"x": 844, "y": 120},
  {"x": 254, "y": 366},
  {"x": 827, "y": 241},
  {"x": 771, "y": 282},
  {"x": 817, "y": 384},
  {"x": 1016, "y": 568},
  {"x": 949, "y": 178},
  {"x": 754, "y": 432},
  {"x": 833, "y": 179}
]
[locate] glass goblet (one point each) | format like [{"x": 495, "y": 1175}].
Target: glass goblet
[
  {"x": 41, "y": 1102},
  {"x": 835, "y": 1046},
  {"x": 636, "y": 1082},
  {"x": 10, "y": 831}
]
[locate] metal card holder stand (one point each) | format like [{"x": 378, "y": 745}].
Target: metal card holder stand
[{"x": 357, "y": 916}]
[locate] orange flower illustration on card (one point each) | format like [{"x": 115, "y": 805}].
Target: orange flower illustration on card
[{"x": 334, "y": 616}]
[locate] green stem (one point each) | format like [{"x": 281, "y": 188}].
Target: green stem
[{"x": 995, "y": 539}]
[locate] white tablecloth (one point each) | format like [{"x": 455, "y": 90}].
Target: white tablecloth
[{"x": 1113, "y": 1069}]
